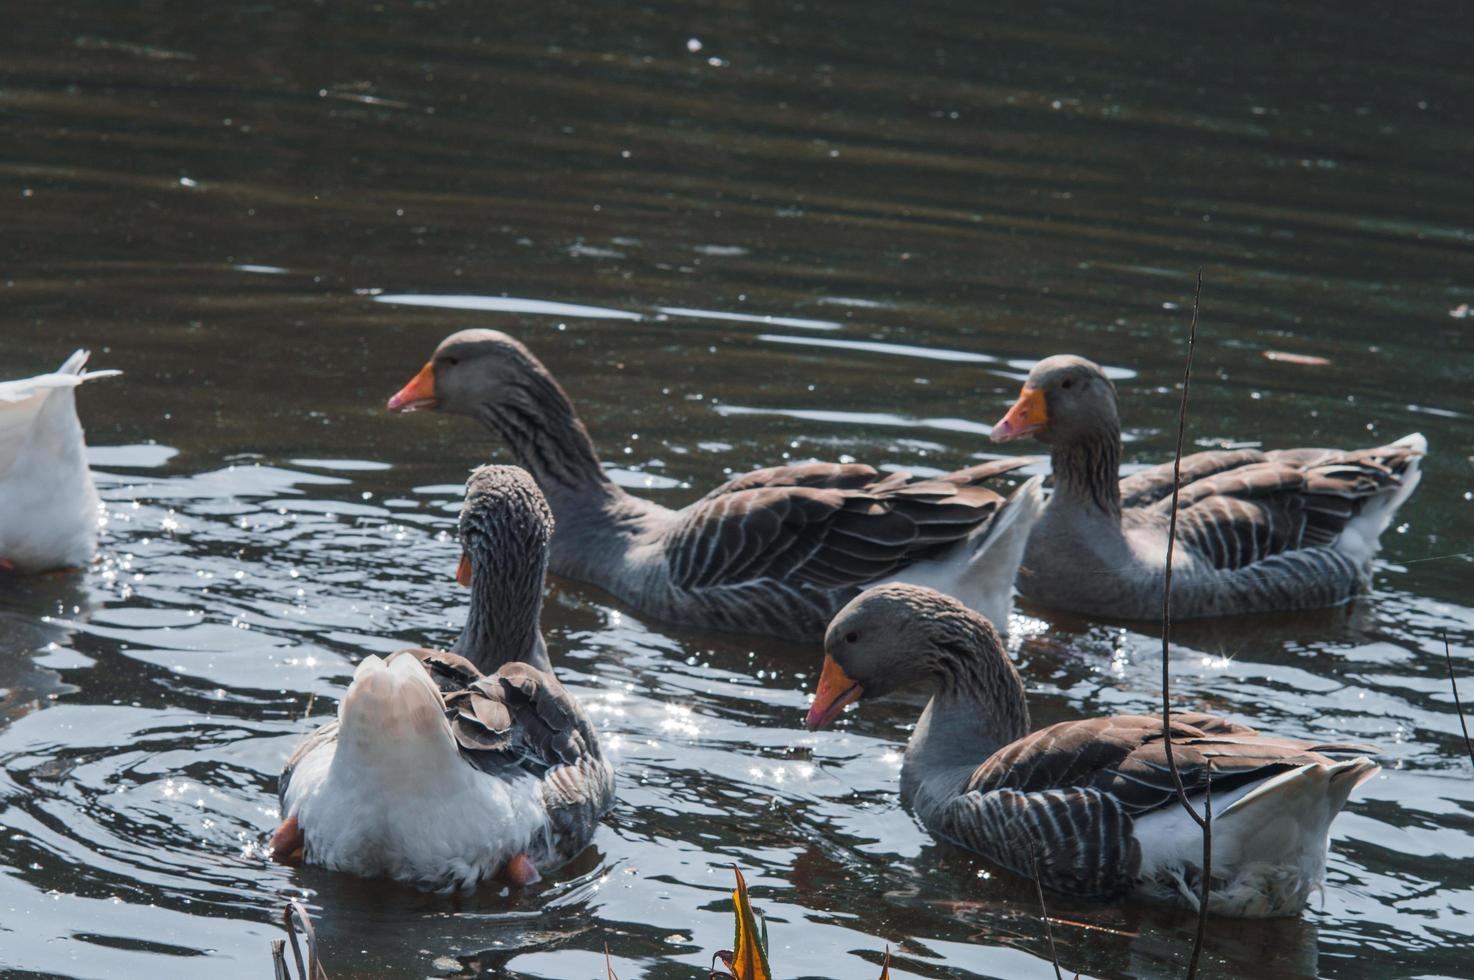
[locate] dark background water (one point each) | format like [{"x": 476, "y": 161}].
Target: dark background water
[{"x": 779, "y": 231}]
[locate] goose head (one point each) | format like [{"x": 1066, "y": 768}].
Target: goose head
[
  {"x": 471, "y": 370},
  {"x": 1065, "y": 399},
  {"x": 895, "y": 636},
  {"x": 505, "y": 528}
]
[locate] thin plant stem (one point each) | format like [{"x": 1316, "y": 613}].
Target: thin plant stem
[
  {"x": 1454, "y": 683},
  {"x": 1203, "y": 821},
  {"x": 1044, "y": 911},
  {"x": 1192, "y": 964}
]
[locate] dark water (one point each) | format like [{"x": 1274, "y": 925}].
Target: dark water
[{"x": 834, "y": 229}]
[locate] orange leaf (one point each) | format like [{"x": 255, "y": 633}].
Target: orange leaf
[{"x": 749, "y": 959}]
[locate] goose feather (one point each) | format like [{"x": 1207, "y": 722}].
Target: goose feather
[
  {"x": 1088, "y": 806},
  {"x": 1257, "y": 531},
  {"x": 774, "y": 551},
  {"x": 49, "y": 508},
  {"x": 439, "y": 772}
]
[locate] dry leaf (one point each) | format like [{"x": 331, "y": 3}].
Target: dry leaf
[{"x": 1304, "y": 360}]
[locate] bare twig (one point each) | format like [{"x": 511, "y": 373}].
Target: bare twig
[
  {"x": 1205, "y": 822},
  {"x": 608, "y": 966},
  {"x": 1192, "y": 964},
  {"x": 1044, "y": 911},
  {"x": 291, "y": 927},
  {"x": 292, "y": 916},
  {"x": 279, "y": 959},
  {"x": 1454, "y": 683},
  {"x": 311, "y": 697}
]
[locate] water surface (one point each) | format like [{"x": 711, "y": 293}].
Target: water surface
[{"x": 738, "y": 234}]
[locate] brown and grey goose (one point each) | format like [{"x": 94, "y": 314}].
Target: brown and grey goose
[
  {"x": 775, "y": 551},
  {"x": 1257, "y": 531},
  {"x": 1092, "y": 802},
  {"x": 446, "y": 769}
]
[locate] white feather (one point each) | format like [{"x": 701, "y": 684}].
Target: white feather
[
  {"x": 979, "y": 570},
  {"x": 1359, "y": 538},
  {"x": 391, "y": 796},
  {"x": 49, "y": 508},
  {"x": 1269, "y": 842}
]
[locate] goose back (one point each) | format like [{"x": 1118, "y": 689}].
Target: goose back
[{"x": 1067, "y": 798}]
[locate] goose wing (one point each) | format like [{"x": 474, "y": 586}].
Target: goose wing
[
  {"x": 1062, "y": 799},
  {"x": 451, "y": 672},
  {"x": 1239, "y": 508},
  {"x": 1155, "y": 483},
  {"x": 826, "y": 525},
  {"x": 520, "y": 717}
]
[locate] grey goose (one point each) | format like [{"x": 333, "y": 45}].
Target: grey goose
[
  {"x": 1257, "y": 531},
  {"x": 1091, "y": 803},
  {"x": 776, "y": 551}
]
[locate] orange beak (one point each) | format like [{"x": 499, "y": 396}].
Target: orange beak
[
  {"x": 463, "y": 570},
  {"x": 1027, "y": 416},
  {"x": 835, "y": 691},
  {"x": 418, "y": 394}
]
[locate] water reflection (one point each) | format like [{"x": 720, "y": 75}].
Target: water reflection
[{"x": 834, "y": 239}]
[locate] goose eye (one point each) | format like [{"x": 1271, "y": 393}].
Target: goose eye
[
  {"x": 852, "y": 637},
  {"x": 450, "y": 361},
  {"x": 1067, "y": 382}
]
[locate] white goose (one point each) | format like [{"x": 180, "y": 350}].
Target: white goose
[
  {"x": 48, "y": 505},
  {"x": 446, "y": 769},
  {"x": 1093, "y": 801}
]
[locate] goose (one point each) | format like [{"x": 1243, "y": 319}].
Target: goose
[
  {"x": 776, "y": 551},
  {"x": 1091, "y": 802},
  {"x": 1257, "y": 531},
  {"x": 445, "y": 769},
  {"x": 48, "y": 505}
]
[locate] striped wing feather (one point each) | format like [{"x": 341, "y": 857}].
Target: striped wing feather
[
  {"x": 1242, "y": 506},
  {"x": 827, "y": 525},
  {"x": 1068, "y": 793},
  {"x": 521, "y": 717}
]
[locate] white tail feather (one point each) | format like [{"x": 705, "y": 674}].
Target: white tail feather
[
  {"x": 392, "y": 795},
  {"x": 980, "y": 570},
  {"x": 392, "y": 713},
  {"x": 48, "y": 507},
  {"x": 1269, "y": 842},
  {"x": 1359, "y": 540}
]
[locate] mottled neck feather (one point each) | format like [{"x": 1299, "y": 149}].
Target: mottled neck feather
[
  {"x": 1087, "y": 471},
  {"x": 539, "y": 425},
  {"x": 977, "y": 707},
  {"x": 504, "y": 623}
]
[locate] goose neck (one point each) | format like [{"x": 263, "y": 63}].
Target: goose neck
[
  {"x": 1087, "y": 472},
  {"x": 537, "y": 421},
  {"x": 504, "y": 621},
  {"x": 977, "y": 707}
]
